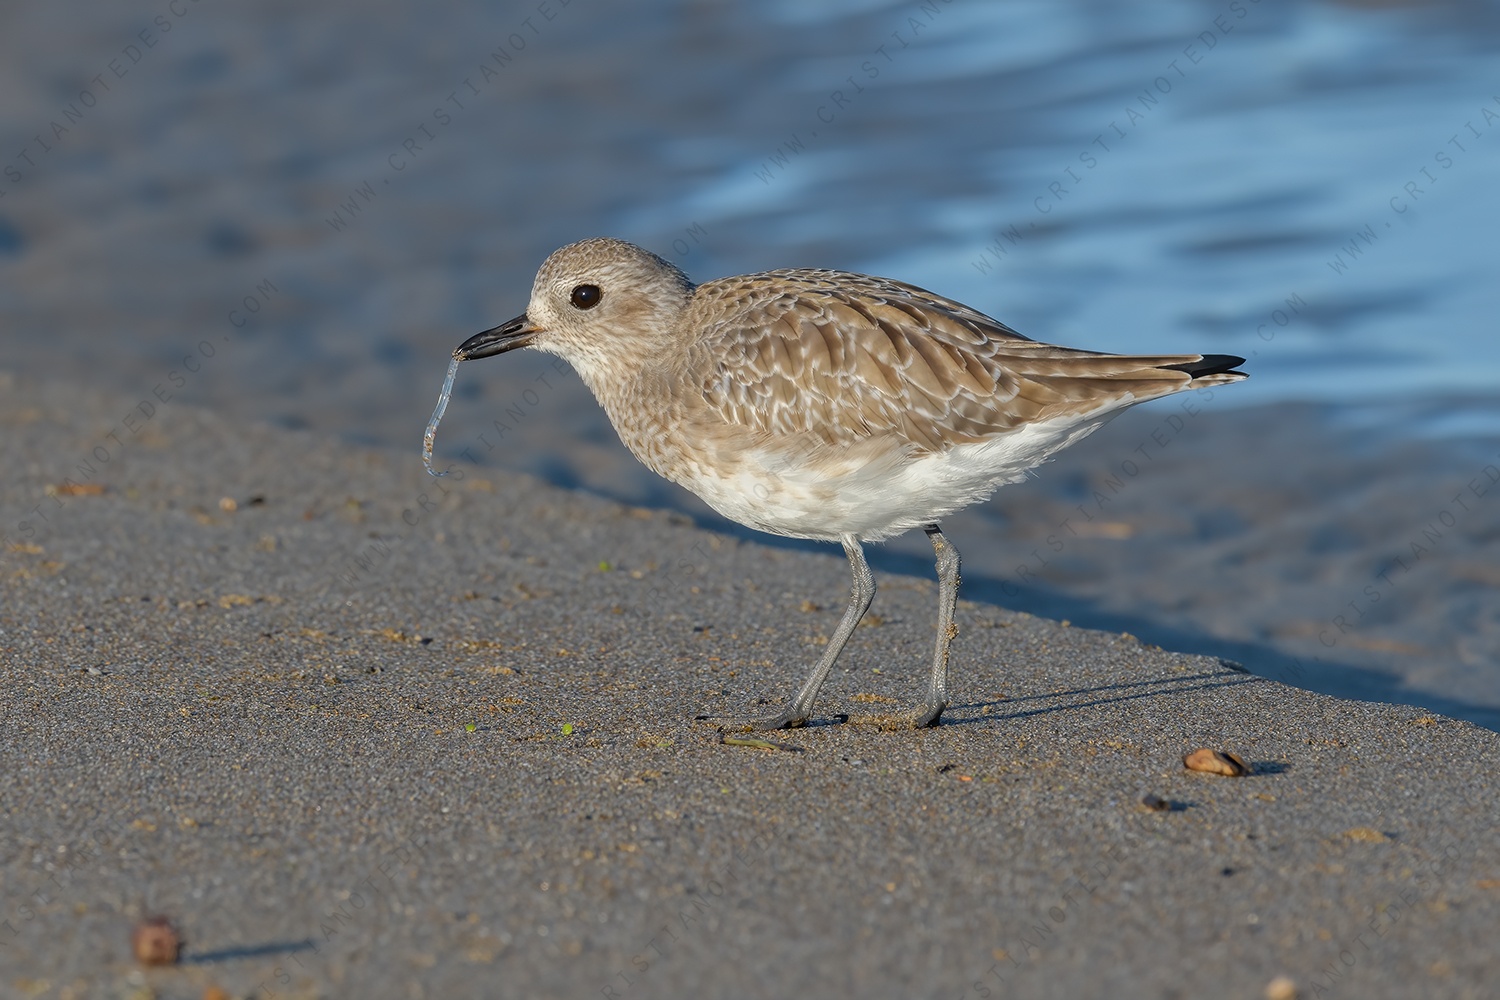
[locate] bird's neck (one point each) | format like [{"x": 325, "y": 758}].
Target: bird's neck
[{"x": 640, "y": 397}]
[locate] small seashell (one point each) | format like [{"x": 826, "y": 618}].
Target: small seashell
[
  {"x": 156, "y": 942},
  {"x": 1281, "y": 988},
  {"x": 1216, "y": 762}
]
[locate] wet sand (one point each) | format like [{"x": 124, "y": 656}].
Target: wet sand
[{"x": 361, "y": 732}]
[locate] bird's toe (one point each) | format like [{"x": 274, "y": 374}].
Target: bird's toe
[{"x": 928, "y": 714}]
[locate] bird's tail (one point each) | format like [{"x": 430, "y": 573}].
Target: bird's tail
[{"x": 1209, "y": 369}]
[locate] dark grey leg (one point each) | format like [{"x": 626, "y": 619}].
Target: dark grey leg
[
  {"x": 937, "y": 685},
  {"x": 799, "y": 709}
]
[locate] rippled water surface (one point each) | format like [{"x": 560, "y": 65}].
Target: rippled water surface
[{"x": 1308, "y": 184}]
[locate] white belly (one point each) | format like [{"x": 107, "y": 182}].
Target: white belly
[{"x": 872, "y": 492}]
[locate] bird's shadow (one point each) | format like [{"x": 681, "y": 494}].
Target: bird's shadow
[
  {"x": 1066, "y": 701},
  {"x": 1340, "y": 678}
]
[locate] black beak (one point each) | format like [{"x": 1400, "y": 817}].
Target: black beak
[{"x": 505, "y": 337}]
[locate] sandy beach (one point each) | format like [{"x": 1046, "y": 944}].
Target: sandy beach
[{"x": 358, "y": 737}]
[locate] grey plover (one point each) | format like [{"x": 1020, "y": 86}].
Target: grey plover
[{"x": 825, "y": 405}]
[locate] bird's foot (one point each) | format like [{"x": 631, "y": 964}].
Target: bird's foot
[
  {"x": 928, "y": 714},
  {"x": 788, "y": 718}
]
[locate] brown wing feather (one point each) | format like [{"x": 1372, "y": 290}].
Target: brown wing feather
[{"x": 844, "y": 357}]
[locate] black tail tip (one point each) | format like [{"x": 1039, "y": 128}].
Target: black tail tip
[{"x": 1211, "y": 364}]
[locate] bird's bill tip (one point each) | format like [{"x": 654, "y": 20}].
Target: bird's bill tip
[{"x": 505, "y": 337}]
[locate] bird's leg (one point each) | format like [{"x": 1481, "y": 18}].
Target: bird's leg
[
  {"x": 937, "y": 685},
  {"x": 799, "y": 709}
]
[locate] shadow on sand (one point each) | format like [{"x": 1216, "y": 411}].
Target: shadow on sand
[{"x": 1339, "y": 678}]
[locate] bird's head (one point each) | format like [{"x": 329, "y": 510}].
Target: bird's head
[{"x": 597, "y": 304}]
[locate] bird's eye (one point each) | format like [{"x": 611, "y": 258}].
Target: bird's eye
[{"x": 586, "y": 296}]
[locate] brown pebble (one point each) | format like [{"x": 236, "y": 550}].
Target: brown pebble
[
  {"x": 1281, "y": 988},
  {"x": 1156, "y": 803},
  {"x": 1366, "y": 834},
  {"x": 1216, "y": 762},
  {"x": 228, "y": 504},
  {"x": 156, "y": 942}
]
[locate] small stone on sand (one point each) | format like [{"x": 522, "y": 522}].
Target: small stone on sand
[
  {"x": 156, "y": 942},
  {"x": 1216, "y": 762}
]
